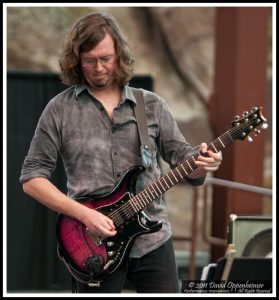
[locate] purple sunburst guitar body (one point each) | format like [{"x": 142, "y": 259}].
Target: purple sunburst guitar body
[
  {"x": 86, "y": 251},
  {"x": 90, "y": 258}
]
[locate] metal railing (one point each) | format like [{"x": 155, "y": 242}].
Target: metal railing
[
  {"x": 231, "y": 185},
  {"x": 208, "y": 238}
]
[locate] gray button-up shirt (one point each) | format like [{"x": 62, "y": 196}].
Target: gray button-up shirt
[{"x": 96, "y": 150}]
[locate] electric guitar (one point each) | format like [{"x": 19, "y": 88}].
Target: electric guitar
[{"x": 90, "y": 258}]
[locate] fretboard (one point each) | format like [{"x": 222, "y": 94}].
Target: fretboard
[
  {"x": 183, "y": 170},
  {"x": 176, "y": 175}
]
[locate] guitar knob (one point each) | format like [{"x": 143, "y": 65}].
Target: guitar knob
[
  {"x": 94, "y": 264},
  {"x": 264, "y": 126},
  {"x": 250, "y": 139},
  {"x": 110, "y": 253},
  {"x": 110, "y": 243}
]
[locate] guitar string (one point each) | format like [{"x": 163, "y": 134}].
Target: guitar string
[
  {"x": 127, "y": 206},
  {"x": 126, "y": 209},
  {"x": 225, "y": 138}
]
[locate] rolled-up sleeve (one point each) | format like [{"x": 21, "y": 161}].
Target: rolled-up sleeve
[
  {"x": 46, "y": 143},
  {"x": 172, "y": 144}
]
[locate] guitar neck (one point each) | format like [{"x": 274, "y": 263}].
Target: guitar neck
[
  {"x": 240, "y": 130},
  {"x": 176, "y": 175}
]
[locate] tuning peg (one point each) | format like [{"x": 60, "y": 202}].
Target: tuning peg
[
  {"x": 236, "y": 118},
  {"x": 250, "y": 139},
  {"x": 254, "y": 109},
  {"x": 257, "y": 131},
  {"x": 264, "y": 126},
  {"x": 245, "y": 114}
]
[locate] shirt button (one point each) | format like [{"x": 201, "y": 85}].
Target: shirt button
[{"x": 118, "y": 175}]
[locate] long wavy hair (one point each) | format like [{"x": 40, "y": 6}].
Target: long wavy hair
[{"x": 86, "y": 33}]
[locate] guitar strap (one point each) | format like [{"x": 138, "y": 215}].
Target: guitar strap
[{"x": 140, "y": 114}]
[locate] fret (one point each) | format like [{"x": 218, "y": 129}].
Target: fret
[
  {"x": 148, "y": 189},
  {"x": 184, "y": 169},
  {"x": 189, "y": 165},
  {"x": 221, "y": 142},
  {"x": 165, "y": 182},
  {"x": 164, "y": 188},
  {"x": 169, "y": 179},
  {"x": 142, "y": 198},
  {"x": 225, "y": 139},
  {"x": 154, "y": 190},
  {"x": 155, "y": 183},
  {"x": 133, "y": 205},
  {"x": 179, "y": 173},
  {"x": 192, "y": 161},
  {"x": 149, "y": 194},
  {"x": 137, "y": 201},
  {"x": 174, "y": 176},
  {"x": 214, "y": 147}
]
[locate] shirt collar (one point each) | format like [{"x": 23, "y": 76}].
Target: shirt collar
[
  {"x": 127, "y": 93},
  {"x": 80, "y": 88}
]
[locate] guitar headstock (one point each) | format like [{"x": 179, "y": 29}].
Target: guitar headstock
[{"x": 241, "y": 127}]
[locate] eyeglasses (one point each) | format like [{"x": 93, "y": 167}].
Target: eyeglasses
[{"x": 92, "y": 62}]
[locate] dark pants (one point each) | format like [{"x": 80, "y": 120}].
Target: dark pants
[{"x": 155, "y": 272}]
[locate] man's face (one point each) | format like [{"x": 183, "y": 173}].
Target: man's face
[{"x": 98, "y": 65}]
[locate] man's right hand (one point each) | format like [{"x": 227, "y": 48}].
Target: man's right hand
[{"x": 99, "y": 224}]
